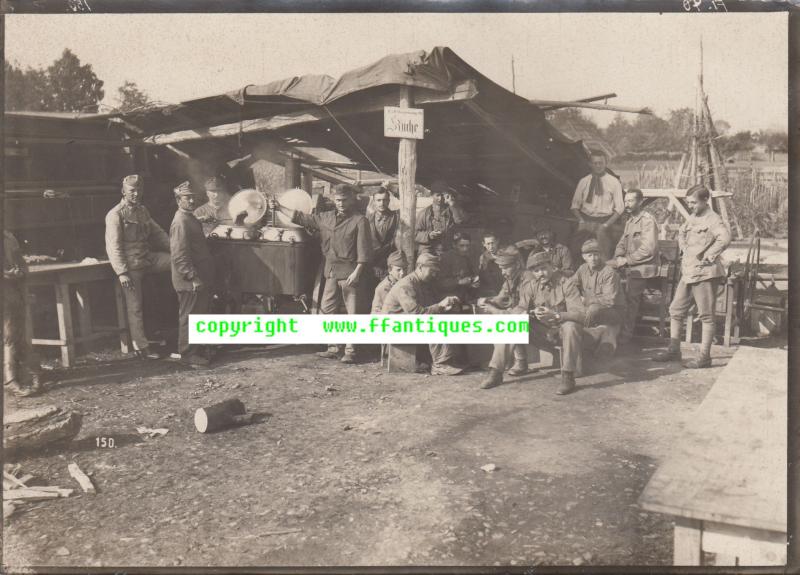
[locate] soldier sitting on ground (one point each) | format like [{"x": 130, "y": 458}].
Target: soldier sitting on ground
[{"x": 396, "y": 266}]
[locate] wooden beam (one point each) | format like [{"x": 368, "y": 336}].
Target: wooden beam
[
  {"x": 592, "y": 99},
  {"x": 557, "y": 104},
  {"x": 406, "y": 176},
  {"x": 511, "y": 138},
  {"x": 464, "y": 92}
]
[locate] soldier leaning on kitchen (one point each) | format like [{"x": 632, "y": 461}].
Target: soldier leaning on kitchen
[
  {"x": 347, "y": 249},
  {"x": 701, "y": 239},
  {"x": 136, "y": 245}
]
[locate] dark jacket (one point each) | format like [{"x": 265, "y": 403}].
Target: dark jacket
[
  {"x": 191, "y": 258},
  {"x": 346, "y": 240}
]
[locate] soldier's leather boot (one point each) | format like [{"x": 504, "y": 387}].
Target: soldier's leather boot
[
  {"x": 520, "y": 367},
  {"x": 567, "y": 383},
  {"x": 672, "y": 353},
  {"x": 698, "y": 362},
  {"x": 349, "y": 357},
  {"x": 493, "y": 379},
  {"x": 330, "y": 353}
]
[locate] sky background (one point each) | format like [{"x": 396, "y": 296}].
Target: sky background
[{"x": 647, "y": 59}]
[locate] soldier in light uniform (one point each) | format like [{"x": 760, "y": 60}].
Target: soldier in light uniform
[
  {"x": 192, "y": 268},
  {"x": 636, "y": 256},
  {"x": 702, "y": 239},
  {"x": 557, "y": 316},
  {"x": 135, "y": 245},
  {"x": 510, "y": 264},
  {"x": 436, "y": 224},
  {"x": 396, "y": 266},
  {"x": 414, "y": 294}
]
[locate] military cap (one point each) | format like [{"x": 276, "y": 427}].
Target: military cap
[
  {"x": 538, "y": 259},
  {"x": 183, "y": 189},
  {"x": 396, "y": 259},
  {"x": 429, "y": 260},
  {"x": 214, "y": 184},
  {"x": 590, "y": 246},
  {"x": 441, "y": 187},
  {"x": 132, "y": 182},
  {"x": 507, "y": 256},
  {"x": 344, "y": 190}
]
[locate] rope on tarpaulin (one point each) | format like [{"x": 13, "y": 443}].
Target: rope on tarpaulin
[{"x": 346, "y": 133}]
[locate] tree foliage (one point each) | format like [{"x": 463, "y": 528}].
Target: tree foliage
[
  {"x": 65, "y": 86},
  {"x": 130, "y": 97}
]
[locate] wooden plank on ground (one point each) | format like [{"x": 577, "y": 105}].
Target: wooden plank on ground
[
  {"x": 730, "y": 465},
  {"x": 82, "y": 479}
]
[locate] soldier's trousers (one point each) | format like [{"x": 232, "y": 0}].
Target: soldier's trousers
[
  {"x": 569, "y": 334},
  {"x": 189, "y": 302},
  {"x": 133, "y": 297},
  {"x": 633, "y": 296},
  {"x": 704, "y": 294},
  {"x": 338, "y": 294},
  {"x": 16, "y": 340}
]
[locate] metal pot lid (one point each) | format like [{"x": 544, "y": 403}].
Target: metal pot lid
[
  {"x": 250, "y": 201},
  {"x": 294, "y": 199}
]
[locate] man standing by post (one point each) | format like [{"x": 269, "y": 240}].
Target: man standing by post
[
  {"x": 135, "y": 245},
  {"x": 701, "y": 239},
  {"x": 192, "y": 268},
  {"x": 347, "y": 249},
  {"x": 637, "y": 254},
  {"x": 383, "y": 224},
  {"x": 435, "y": 224},
  {"x": 598, "y": 204}
]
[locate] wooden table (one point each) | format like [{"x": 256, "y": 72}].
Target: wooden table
[
  {"x": 64, "y": 279},
  {"x": 725, "y": 481}
]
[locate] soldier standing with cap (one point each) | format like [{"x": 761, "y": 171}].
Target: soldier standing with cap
[
  {"x": 637, "y": 254},
  {"x": 435, "y": 224},
  {"x": 347, "y": 249},
  {"x": 383, "y": 224},
  {"x": 702, "y": 239},
  {"x": 604, "y": 302},
  {"x": 192, "y": 268},
  {"x": 510, "y": 264},
  {"x": 598, "y": 204},
  {"x": 396, "y": 265},
  {"x": 135, "y": 245},
  {"x": 414, "y": 294},
  {"x": 557, "y": 316},
  {"x": 215, "y": 211}
]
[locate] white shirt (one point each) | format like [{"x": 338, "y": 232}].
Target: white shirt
[{"x": 601, "y": 206}]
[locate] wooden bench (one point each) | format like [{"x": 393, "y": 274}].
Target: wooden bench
[
  {"x": 725, "y": 481},
  {"x": 66, "y": 278}
]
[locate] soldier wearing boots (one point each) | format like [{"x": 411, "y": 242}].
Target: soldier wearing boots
[
  {"x": 702, "y": 239},
  {"x": 557, "y": 316},
  {"x": 637, "y": 256},
  {"x": 510, "y": 264}
]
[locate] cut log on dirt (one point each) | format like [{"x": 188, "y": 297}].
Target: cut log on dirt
[
  {"x": 83, "y": 479},
  {"x": 227, "y": 413},
  {"x": 34, "y": 494},
  {"x": 31, "y": 429}
]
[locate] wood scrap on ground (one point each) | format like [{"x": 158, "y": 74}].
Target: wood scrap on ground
[
  {"x": 31, "y": 429},
  {"x": 83, "y": 479}
]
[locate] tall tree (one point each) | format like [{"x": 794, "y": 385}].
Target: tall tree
[
  {"x": 130, "y": 97},
  {"x": 73, "y": 87}
]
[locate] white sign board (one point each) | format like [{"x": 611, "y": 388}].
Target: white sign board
[{"x": 403, "y": 122}]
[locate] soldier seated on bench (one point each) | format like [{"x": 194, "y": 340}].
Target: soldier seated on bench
[{"x": 557, "y": 317}]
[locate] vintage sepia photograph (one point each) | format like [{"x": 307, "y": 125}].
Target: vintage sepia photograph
[{"x": 263, "y": 277}]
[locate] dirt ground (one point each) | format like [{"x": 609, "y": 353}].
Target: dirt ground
[{"x": 354, "y": 466}]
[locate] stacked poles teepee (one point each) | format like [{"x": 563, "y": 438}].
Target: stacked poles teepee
[{"x": 702, "y": 163}]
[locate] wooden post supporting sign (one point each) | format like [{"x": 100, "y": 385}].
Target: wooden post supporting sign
[{"x": 406, "y": 177}]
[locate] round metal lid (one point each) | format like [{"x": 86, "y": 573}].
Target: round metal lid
[
  {"x": 294, "y": 199},
  {"x": 250, "y": 201}
]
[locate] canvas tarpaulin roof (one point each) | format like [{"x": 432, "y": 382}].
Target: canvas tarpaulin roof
[{"x": 475, "y": 129}]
